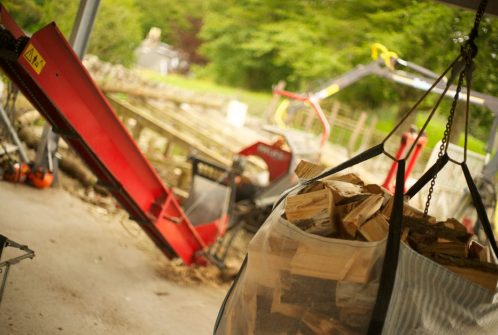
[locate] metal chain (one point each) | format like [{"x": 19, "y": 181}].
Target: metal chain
[
  {"x": 477, "y": 21},
  {"x": 444, "y": 141},
  {"x": 468, "y": 51}
]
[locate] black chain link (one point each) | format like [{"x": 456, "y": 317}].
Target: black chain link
[
  {"x": 444, "y": 141},
  {"x": 468, "y": 52}
]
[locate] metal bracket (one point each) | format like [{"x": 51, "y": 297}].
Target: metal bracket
[{"x": 5, "y": 242}]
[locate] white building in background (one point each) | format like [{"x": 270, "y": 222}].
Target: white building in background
[{"x": 158, "y": 56}]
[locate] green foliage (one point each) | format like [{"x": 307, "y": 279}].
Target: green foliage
[
  {"x": 27, "y": 13},
  {"x": 179, "y": 21},
  {"x": 255, "y": 43},
  {"x": 117, "y": 31}
]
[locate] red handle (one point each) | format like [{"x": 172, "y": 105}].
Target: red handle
[{"x": 316, "y": 108}]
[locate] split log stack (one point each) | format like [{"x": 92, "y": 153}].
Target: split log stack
[{"x": 344, "y": 207}]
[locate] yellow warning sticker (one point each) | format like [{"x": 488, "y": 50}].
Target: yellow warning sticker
[{"x": 34, "y": 58}]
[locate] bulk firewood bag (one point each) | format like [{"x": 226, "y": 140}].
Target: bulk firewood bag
[
  {"x": 294, "y": 282},
  {"x": 412, "y": 280}
]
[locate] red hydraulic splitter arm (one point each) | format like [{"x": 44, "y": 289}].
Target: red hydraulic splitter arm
[
  {"x": 313, "y": 102},
  {"x": 51, "y": 76}
]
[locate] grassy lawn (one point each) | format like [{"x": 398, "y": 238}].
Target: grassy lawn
[
  {"x": 257, "y": 102},
  {"x": 435, "y": 131}
]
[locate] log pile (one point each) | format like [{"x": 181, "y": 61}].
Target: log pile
[
  {"x": 344, "y": 207},
  {"x": 330, "y": 294}
]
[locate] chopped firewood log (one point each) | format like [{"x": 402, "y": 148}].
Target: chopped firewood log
[
  {"x": 348, "y": 178},
  {"x": 361, "y": 213},
  {"x": 485, "y": 255},
  {"x": 351, "y": 295},
  {"x": 321, "y": 324},
  {"x": 342, "y": 210},
  {"x": 408, "y": 211},
  {"x": 404, "y": 235},
  {"x": 374, "y": 189},
  {"x": 421, "y": 232},
  {"x": 455, "y": 249},
  {"x": 282, "y": 245},
  {"x": 307, "y": 170},
  {"x": 313, "y": 294},
  {"x": 316, "y": 186},
  {"x": 479, "y": 251},
  {"x": 485, "y": 279},
  {"x": 375, "y": 229},
  {"x": 343, "y": 191},
  {"x": 414, "y": 212},
  {"x": 347, "y": 263},
  {"x": 313, "y": 212},
  {"x": 483, "y": 274},
  {"x": 354, "y": 317},
  {"x": 454, "y": 224}
]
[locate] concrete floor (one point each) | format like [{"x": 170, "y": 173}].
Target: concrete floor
[{"x": 91, "y": 276}]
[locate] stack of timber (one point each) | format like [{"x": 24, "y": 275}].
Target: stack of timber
[
  {"x": 343, "y": 207},
  {"x": 115, "y": 78}
]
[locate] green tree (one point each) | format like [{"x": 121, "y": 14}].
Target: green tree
[
  {"x": 180, "y": 24},
  {"x": 116, "y": 33},
  {"x": 27, "y": 13}
]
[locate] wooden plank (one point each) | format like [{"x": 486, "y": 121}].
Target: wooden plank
[
  {"x": 149, "y": 121},
  {"x": 191, "y": 126},
  {"x": 148, "y": 93}
]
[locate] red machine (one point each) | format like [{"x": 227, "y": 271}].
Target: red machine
[{"x": 51, "y": 76}]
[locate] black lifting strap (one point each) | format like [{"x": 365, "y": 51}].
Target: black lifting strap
[
  {"x": 391, "y": 256},
  {"x": 428, "y": 175},
  {"x": 3, "y": 243},
  {"x": 480, "y": 209}
]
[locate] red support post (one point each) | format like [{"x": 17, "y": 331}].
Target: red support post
[
  {"x": 406, "y": 141},
  {"x": 422, "y": 141}
]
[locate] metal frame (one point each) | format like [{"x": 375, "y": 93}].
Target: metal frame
[{"x": 5, "y": 265}]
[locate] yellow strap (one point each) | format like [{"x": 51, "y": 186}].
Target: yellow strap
[{"x": 281, "y": 113}]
